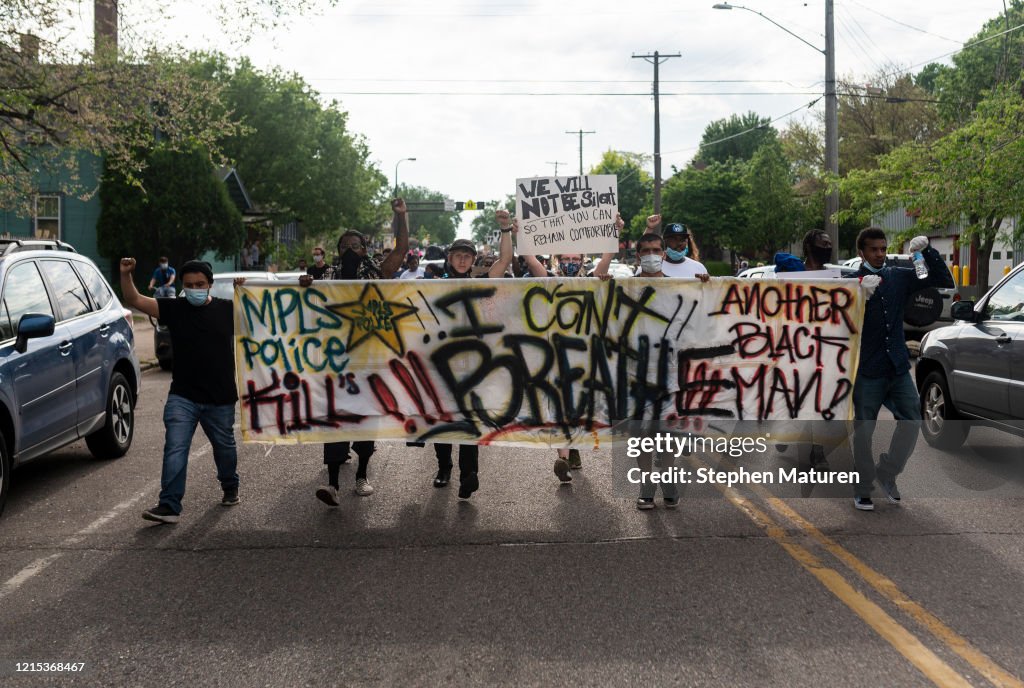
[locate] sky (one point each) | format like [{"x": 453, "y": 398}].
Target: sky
[{"x": 482, "y": 92}]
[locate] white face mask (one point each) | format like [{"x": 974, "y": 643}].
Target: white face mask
[
  {"x": 650, "y": 264},
  {"x": 318, "y": 259},
  {"x": 163, "y": 266}
]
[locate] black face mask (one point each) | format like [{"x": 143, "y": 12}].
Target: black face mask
[
  {"x": 350, "y": 261},
  {"x": 821, "y": 254}
]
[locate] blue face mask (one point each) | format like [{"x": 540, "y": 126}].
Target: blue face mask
[
  {"x": 197, "y": 297},
  {"x": 871, "y": 268},
  {"x": 569, "y": 269},
  {"x": 676, "y": 256}
]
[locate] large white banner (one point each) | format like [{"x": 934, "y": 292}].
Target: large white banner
[
  {"x": 551, "y": 362},
  {"x": 567, "y": 214}
]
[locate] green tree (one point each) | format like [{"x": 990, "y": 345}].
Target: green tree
[
  {"x": 180, "y": 210},
  {"x": 877, "y": 119},
  {"x": 737, "y": 137},
  {"x": 973, "y": 174},
  {"x": 708, "y": 200},
  {"x": 483, "y": 223},
  {"x": 986, "y": 61},
  {"x": 432, "y": 227},
  {"x": 297, "y": 157},
  {"x": 772, "y": 215},
  {"x": 57, "y": 101},
  {"x": 635, "y": 187}
]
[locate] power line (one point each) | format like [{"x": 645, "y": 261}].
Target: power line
[
  {"x": 561, "y": 93},
  {"x": 747, "y": 131},
  {"x": 954, "y": 52},
  {"x": 909, "y": 26},
  {"x": 564, "y": 81}
]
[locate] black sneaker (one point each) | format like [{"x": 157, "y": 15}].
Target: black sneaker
[
  {"x": 645, "y": 503},
  {"x": 892, "y": 493},
  {"x": 230, "y": 497},
  {"x": 161, "y": 514},
  {"x": 863, "y": 504},
  {"x": 468, "y": 484}
]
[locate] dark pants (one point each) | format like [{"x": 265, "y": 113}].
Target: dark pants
[
  {"x": 899, "y": 395},
  {"x": 336, "y": 453},
  {"x": 469, "y": 455}
]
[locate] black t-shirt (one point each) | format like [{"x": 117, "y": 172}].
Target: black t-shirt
[
  {"x": 317, "y": 272},
  {"x": 203, "y": 340}
]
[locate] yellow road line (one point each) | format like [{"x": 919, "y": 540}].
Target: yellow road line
[
  {"x": 927, "y": 662},
  {"x": 888, "y": 589}
]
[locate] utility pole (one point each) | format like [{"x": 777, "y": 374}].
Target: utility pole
[
  {"x": 556, "y": 164},
  {"x": 831, "y": 128},
  {"x": 580, "y": 133},
  {"x": 656, "y": 59}
]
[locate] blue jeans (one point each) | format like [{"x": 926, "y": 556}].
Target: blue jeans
[
  {"x": 899, "y": 395},
  {"x": 180, "y": 419},
  {"x": 659, "y": 464},
  {"x": 166, "y": 291}
]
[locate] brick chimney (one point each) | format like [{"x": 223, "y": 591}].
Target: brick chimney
[{"x": 105, "y": 26}]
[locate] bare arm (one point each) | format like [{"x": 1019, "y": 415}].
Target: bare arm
[
  {"x": 174, "y": 276},
  {"x": 536, "y": 269},
  {"x": 132, "y": 297},
  {"x": 508, "y": 228},
  {"x": 400, "y": 226}
]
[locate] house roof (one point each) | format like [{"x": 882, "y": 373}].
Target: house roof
[{"x": 236, "y": 189}]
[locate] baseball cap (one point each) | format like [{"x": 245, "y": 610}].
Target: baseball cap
[
  {"x": 676, "y": 229},
  {"x": 462, "y": 245}
]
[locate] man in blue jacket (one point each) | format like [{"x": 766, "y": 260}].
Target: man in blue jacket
[{"x": 883, "y": 377}]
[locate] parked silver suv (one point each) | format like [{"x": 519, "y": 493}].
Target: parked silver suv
[
  {"x": 973, "y": 370},
  {"x": 68, "y": 368}
]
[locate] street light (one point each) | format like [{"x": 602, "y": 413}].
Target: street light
[
  {"x": 396, "y": 172},
  {"x": 831, "y": 109}
]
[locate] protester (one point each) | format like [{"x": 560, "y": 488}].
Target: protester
[
  {"x": 817, "y": 250},
  {"x": 650, "y": 256},
  {"x": 883, "y": 376},
  {"x": 202, "y": 382},
  {"x": 243, "y": 256},
  {"x": 319, "y": 267},
  {"x": 682, "y": 258},
  {"x": 254, "y": 254},
  {"x": 413, "y": 270},
  {"x": 459, "y": 265},
  {"x": 355, "y": 264},
  {"x": 571, "y": 265},
  {"x": 162, "y": 282}
]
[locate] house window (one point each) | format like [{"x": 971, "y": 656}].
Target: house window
[
  {"x": 995, "y": 255},
  {"x": 47, "y": 217},
  {"x": 1009, "y": 255}
]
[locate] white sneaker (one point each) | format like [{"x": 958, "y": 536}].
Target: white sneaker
[
  {"x": 328, "y": 495},
  {"x": 363, "y": 488}
]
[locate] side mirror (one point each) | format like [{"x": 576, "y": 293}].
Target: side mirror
[
  {"x": 963, "y": 310},
  {"x": 31, "y": 326}
]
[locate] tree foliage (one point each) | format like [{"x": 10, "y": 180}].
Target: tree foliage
[
  {"x": 873, "y": 121},
  {"x": 431, "y": 227},
  {"x": 179, "y": 209},
  {"x": 483, "y": 223},
  {"x": 973, "y": 174},
  {"x": 986, "y": 61},
  {"x": 708, "y": 200},
  {"x": 297, "y": 158},
  {"x": 56, "y": 101},
  {"x": 772, "y": 214},
  {"x": 736, "y": 137}
]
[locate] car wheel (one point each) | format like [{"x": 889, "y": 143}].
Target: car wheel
[
  {"x": 941, "y": 425},
  {"x": 115, "y": 437},
  {"x": 5, "y": 472}
]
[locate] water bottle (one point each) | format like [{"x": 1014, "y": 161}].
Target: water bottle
[{"x": 920, "y": 267}]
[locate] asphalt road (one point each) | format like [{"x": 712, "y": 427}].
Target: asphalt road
[{"x": 527, "y": 583}]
